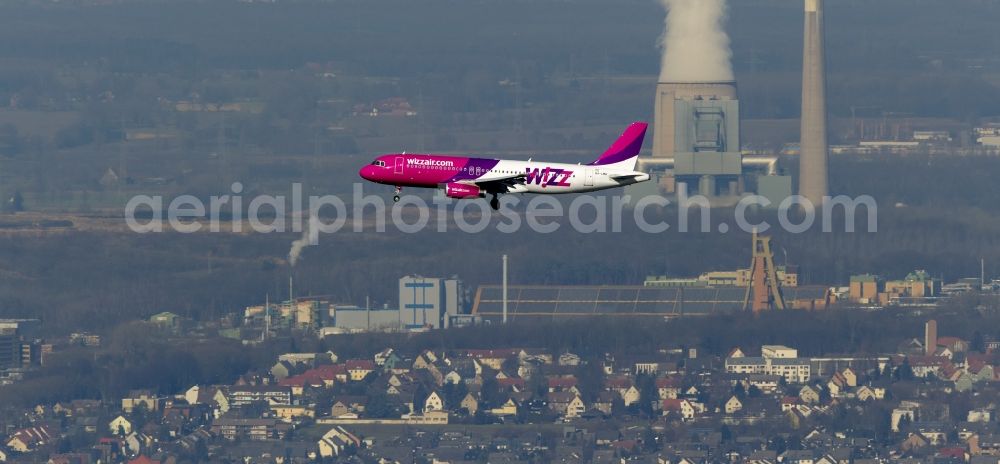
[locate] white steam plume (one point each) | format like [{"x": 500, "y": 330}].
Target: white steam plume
[
  {"x": 695, "y": 45},
  {"x": 310, "y": 236}
]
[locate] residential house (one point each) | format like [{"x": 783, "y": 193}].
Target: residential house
[
  {"x": 797, "y": 457},
  {"x": 668, "y": 387},
  {"x": 763, "y": 457},
  {"x": 433, "y": 403},
  {"x": 625, "y": 388},
  {"x": 866, "y": 393},
  {"x": 680, "y": 407},
  {"x": 604, "y": 402},
  {"x": 282, "y": 369},
  {"x": 136, "y": 443},
  {"x": 289, "y": 413},
  {"x": 509, "y": 408},
  {"x": 569, "y": 359},
  {"x": 120, "y": 426},
  {"x": 135, "y": 398},
  {"x": 250, "y": 429},
  {"x": 493, "y": 359},
  {"x": 562, "y": 383},
  {"x": 913, "y": 442},
  {"x": 566, "y": 404},
  {"x": 358, "y": 369},
  {"x": 907, "y": 410},
  {"x": 382, "y": 356},
  {"x": 922, "y": 366},
  {"x": 734, "y": 405},
  {"x": 809, "y": 394},
  {"x": 335, "y": 441},
  {"x": 789, "y": 403},
  {"x": 29, "y": 439},
  {"x": 955, "y": 344},
  {"x": 794, "y": 370},
  {"x": 850, "y": 377},
  {"x": 345, "y": 406},
  {"x": 511, "y": 384},
  {"x": 964, "y": 382},
  {"x": 470, "y": 403},
  {"x": 766, "y": 383},
  {"x": 242, "y": 395}
]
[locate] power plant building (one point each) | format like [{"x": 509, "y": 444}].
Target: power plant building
[
  {"x": 696, "y": 146},
  {"x": 698, "y": 124}
]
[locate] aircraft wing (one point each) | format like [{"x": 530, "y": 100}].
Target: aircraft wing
[
  {"x": 502, "y": 184},
  {"x": 632, "y": 175}
]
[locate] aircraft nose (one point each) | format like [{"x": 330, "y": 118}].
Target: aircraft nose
[{"x": 366, "y": 173}]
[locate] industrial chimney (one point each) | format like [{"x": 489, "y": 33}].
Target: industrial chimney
[{"x": 814, "y": 148}]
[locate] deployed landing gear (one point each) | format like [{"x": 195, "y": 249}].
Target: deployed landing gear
[
  {"x": 494, "y": 203},
  {"x": 395, "y": 196}
]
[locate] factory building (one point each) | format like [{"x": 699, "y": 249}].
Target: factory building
[
  {"x": 788, "y": 276},
  {"x": 917, "y": 286},
  {"x": 351, "y": 318},
  {"x": 556, "y": 302},
  {"x": 428, "y": 302},
  {"x": 17, "y": 345},
  {"x": 424, "y": 303}
]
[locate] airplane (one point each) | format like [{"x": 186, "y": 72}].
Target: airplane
[{"x": 463, "y": 177}]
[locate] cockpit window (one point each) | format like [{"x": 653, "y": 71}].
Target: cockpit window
[{"x": 378, "y": 163}]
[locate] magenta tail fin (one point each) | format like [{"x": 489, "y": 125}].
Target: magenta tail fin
[{"x": 626, "y": 147}]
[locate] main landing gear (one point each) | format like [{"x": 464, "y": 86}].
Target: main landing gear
[
  {"x": 495, "y": 203},
  {"x": 395, "y": 196}
]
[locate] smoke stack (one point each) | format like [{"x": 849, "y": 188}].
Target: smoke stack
[
  {"x": 813, "y": 141},
  {"x": 930, "y": 337}
]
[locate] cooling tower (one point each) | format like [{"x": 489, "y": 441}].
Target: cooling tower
[
  {"x": 814, "y": 149},
  {"x": 668, "y": 94}
]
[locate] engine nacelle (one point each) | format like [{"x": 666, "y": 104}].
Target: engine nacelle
[{"x": 460, "y": 190}]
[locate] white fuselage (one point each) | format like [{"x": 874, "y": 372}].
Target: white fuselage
[{"x": 551, "y": 178}]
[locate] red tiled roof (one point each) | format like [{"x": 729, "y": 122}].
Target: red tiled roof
[
  {"x": 625, "y": 444},
  {"x": 33, "y": 436},
  {"x": 671, "y": 404},
  {"x": 511, "y": 381},
  {"x": 952, "y": 452},
  {"x": 142, "y": 459},
  {"x": 618, "y": 382},
  {"x": 360, "y": 364},
  {"x": 668, "y": 382},
  {"x": 950, "y": 341},
  {"x": 302, "y": 380},
  {"x": 928, "y": 360},
  {"x": 562, "y": 382}
]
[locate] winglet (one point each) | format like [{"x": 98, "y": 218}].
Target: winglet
[{"x": 626, "y": 147}]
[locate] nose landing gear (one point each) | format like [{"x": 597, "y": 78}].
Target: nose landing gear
[{"x": 395, "y": 196}]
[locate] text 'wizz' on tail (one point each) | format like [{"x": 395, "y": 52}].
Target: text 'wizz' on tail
[{"x": 625, "y": 151}]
